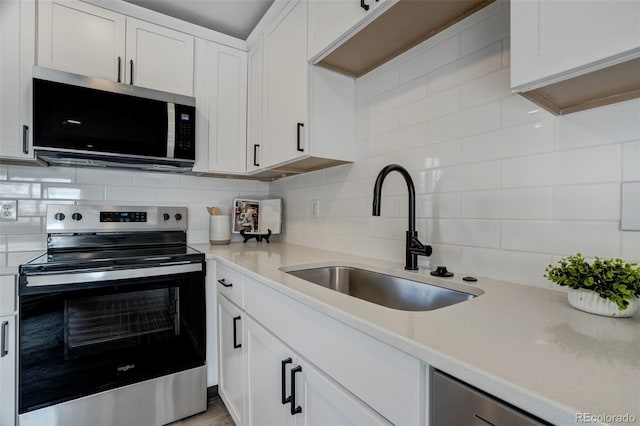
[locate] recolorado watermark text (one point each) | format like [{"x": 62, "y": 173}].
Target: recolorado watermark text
[{"x": 605, "y": 418}]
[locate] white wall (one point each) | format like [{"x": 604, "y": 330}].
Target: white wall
[
  {"x": 503, "y": 188},
  {"x": 35, "y": 187}
]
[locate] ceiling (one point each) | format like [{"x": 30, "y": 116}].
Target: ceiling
[{"x": 233, "y": 17}]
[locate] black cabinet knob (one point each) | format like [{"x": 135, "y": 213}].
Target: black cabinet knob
[
  {"x": 59, "y": 216},
  {"x": 76, "y": 216}
]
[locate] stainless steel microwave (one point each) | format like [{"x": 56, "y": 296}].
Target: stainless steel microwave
[{"x": 85, "y": 121}]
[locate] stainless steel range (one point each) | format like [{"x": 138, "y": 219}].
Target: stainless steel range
[{"x": 112, "y": 319}]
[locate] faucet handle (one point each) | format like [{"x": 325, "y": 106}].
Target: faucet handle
[{"x": 416, "y": 247}]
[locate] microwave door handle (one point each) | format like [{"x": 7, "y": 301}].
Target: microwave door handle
[{"x": 171, "y": 130}]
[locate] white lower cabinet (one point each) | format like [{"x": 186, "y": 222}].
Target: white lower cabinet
[
  {"x": 8, "y": 350},
  {"x": 302, "y": 367},
  {"x": 285, "y": 389},
  {"x": 231, "y": 358}
]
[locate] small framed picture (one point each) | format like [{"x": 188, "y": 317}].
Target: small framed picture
[{"x": 246, "y": 216}]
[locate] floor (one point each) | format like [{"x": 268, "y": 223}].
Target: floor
[{"x": 216, "y": 415}]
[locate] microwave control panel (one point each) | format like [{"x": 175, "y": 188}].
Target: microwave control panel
[{"x": 185, "y": 132}]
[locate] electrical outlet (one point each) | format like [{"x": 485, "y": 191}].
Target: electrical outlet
[
  {"x": 8, "y": 210},
  {"x": 315, "y": 209}
]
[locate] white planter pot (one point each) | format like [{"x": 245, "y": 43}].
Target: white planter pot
[{"x": 590, "y": 301}]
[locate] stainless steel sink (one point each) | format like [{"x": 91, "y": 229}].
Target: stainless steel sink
[{"x": 382, "y": 289}]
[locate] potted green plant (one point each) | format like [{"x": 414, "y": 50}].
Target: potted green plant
[{"x": 608, "y": 287}]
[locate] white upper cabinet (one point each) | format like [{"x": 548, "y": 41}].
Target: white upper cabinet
[
  {"x": 594, "y": 46},
  {"x": 159, "y": 58},
  {"x": 17, "y": 54},
  {"x": 84, "y": 39},
  {"x": 221, "y": 105},
  {"x": 81, "y": 38},
  {"x": 301, "y": 117},
  {"x": 286, "y": 85},
  {"x": 255, "y": 106},
  {"x": 329, "y": 20}
]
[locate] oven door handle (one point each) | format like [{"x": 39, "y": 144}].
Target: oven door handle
[{"x": 89, "y": 276}]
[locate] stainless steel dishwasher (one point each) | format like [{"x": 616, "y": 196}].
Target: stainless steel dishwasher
[{"x": 454, "y": 403}]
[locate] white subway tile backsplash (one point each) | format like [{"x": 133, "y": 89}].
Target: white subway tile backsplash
[
  {"x": 491, "y": 30},
  {"x": 160, "y": 180},
  {"x": 28, "y": 208},
  {"x": 464, "y": 123},
  {"x": 519, "y": 267},
  {"x": 587, "y": 202},
  {"x": 20, "y": 190},
  {"x": 42, "y": 174},
  {"x": 19, "y": 257},
  {"x": 376, "y": 82},
  {"x": 22, "y": 226},
  {"x": 389, "y": 228},
  {"x": 129, "y": 193},
  {"x": 631, "y": 161},
  {"x": 467, "y": 68},
  {"x": 36, "y": 242},
  {"x": 430, "y": 59},
  {"x": 446, "y": 205},
  {"x": 178, "y": 195},
  {"x": 3, "y": 172},
  {"x": 488, "y": 88},
  {"x": 631, "y": 247},
  {"x": 529, "y": 203},
  {"x": 613, "y": 123},
  {"x": 103, "y": 177},
  {"x": 430, "y": 107},
  {"x": 385, "y": 122},
  {"x": 432, "y": 156},
  {"x": 531, "y": 138},
  {"x": 408, "y": 92},
  {"x": 55, "y": 191},
  {"x": 464, "y": 177},
  {"x": 467, "y": 232},
  {"x": 592, "y": 165},
  {"x": 562, "y": 237},
  {"x": 402, "y": 139},
  {"x": 517, "y": 110}
]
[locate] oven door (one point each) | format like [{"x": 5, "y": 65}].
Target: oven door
[{"x": 79, "y": 336}]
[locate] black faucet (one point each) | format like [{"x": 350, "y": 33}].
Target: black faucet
[{"x": 413, "y": 246}]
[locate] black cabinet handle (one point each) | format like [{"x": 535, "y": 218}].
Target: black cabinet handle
[
  {"x": 3, "y": 337},
  {"x": 255, "y": 155},
  {"x": 294, "y": 410},
  {"x": 25, "y": 139},
  {"x": 300, "y": 126},
  {"x": 284, "y": 362},
  {"x": 224, "y": 283},
  {"x": 119, "y": 69},
  {"x": 131, "y": 69},
  {"x": 364, "y": 5},
  {"x": 236, "y": 345}
]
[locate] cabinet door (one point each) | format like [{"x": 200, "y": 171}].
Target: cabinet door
[
  {"x": 7, "y": 370},
  {"x": 81, "y": 38},
  {"x": 17, "y": 50},
  {"x": 268, "y": 361},
  {"x": 324, "y": 402},
  {"x": 286, "y": 86},
  {"x": 227, "y": 109},
  {"x": 255, "y": 108},
  {"x": 330, "y": 19},
  {"x": 159, "y": 58},
  {"x": 211, "y": 298},
  {"x": 230, "y": 355},
  {"x": 551, "y": 38}
]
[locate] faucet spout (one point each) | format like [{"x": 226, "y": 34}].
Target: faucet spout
[{"x": 413, "y": 246}]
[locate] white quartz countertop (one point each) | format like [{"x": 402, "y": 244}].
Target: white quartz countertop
[{"x": 522, "y": 344}]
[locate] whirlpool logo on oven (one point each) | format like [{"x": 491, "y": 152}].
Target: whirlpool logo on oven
[{"x": 125, "y": 368}]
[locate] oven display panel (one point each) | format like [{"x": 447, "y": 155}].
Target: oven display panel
[{"x": 123, "y": 216}]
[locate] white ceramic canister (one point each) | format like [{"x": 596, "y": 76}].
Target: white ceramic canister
[{"x": 219, "y": 229}]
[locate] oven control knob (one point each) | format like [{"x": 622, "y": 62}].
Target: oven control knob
[
  {"x": 59, "y": 216},
  {"x": 76, "y": 216},
  {"x": 178, "y": 216},
  {"x": 166, "y": 216}
]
